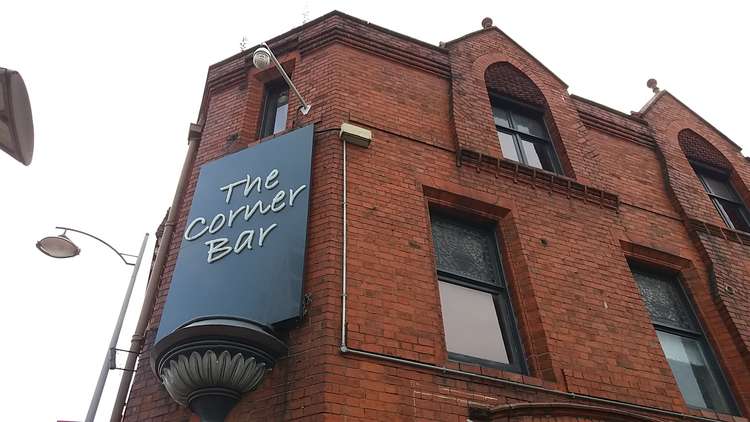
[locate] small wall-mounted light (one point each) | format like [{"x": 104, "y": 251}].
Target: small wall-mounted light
[
  {"x": 263, "y": 57},
  {"x": 355, "y": 135}
]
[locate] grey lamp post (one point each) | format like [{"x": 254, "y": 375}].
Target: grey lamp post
[{"x": 62, "y": 247}]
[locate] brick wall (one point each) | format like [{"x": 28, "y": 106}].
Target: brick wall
[
  {"x": 725, "y": 259},
  {"x": 583, "y": 325}
]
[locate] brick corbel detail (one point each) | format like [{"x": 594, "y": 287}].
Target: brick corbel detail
[
  {"x": 538, "y": 179},
  {"x": 723, "y": 232}
]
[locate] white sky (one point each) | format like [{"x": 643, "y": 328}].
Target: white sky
[{"x": 113, "y": 87}]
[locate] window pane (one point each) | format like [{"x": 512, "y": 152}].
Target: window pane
[
  {"x": 529, "y": 125},
  {"x": 537, "y": 155},
  {"x": 464, "y": 250},
  {"x": 697, "y": 381},
  {"x": 737, "y": 215},
  {"x": 719, "y": 187},
  {"x": 471, "y": 324},
  {"x": 275, "y": 109},
  {"x": 508, "y": 146},
  {"x": 664, "y": 300},
  {"x": 501, "y": 117},
  {"x": 282, "y": 106}
]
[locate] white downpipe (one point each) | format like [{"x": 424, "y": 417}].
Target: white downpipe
[{"x": 343, "y": 253}]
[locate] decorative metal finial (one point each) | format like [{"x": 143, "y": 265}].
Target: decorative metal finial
[
  {"x": 243, "y": 44},
  {"x": 486, "y": 23},
  {"x": 652, "y": 84}
]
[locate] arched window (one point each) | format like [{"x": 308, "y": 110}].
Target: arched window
[
  {"x": 714, "y": 171},
  {"x": 521, "y": 118}
]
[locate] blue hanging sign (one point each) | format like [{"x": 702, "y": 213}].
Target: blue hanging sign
[{"x": 243, "y": 249}]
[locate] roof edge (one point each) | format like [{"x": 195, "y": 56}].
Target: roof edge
[
  {"x": 610, "y": 109},
  {"x": 321, "y": 18},
  {"x": 292, "y": 32},
  {"x": 494, "y": 28},
  {"x": 647, "y": 107},
  {"x": 651, "y": 102}
]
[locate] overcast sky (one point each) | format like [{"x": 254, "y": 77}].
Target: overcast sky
[{"x": 113, "y": 88}]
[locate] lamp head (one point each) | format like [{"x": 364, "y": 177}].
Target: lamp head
[
  {"x": 58, "y": 246},
  {"x": 262, "y": 58}
]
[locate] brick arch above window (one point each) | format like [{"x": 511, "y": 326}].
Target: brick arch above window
[
  {"x": 697, "y": 148},
  {"x": 547, "y": 82},
  {"x": 502, "y": 78}
]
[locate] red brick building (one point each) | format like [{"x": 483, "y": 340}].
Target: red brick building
[{"x": 512, "y": 251}]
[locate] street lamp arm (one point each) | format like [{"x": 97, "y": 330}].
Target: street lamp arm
[
  {"x": 120, "y": 254},
  {"x": 305, "y": 106}
]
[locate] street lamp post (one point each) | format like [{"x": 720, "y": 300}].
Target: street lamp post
[{"x": 62, "y": 247}]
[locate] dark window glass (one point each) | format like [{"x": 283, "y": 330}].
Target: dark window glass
[
  {"x": 523, "y": 137},
  {"x": 501, "y": 117},
  {"x": 734, "y": 213},
  {"x": 464, "y": 251},
  {"x": 275, "y": 108},
  {"x": 720, "y": 188},
  {"x": 683, "y": 342},
  {"x": 477, "y": 317},
  {"x": 724, "y": 197},
  {"x": 664, "y": 301},
  {"x": 531, "y": 126}
]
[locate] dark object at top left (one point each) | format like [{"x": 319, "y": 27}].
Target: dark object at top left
[{"x": 16, "y": 122}]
